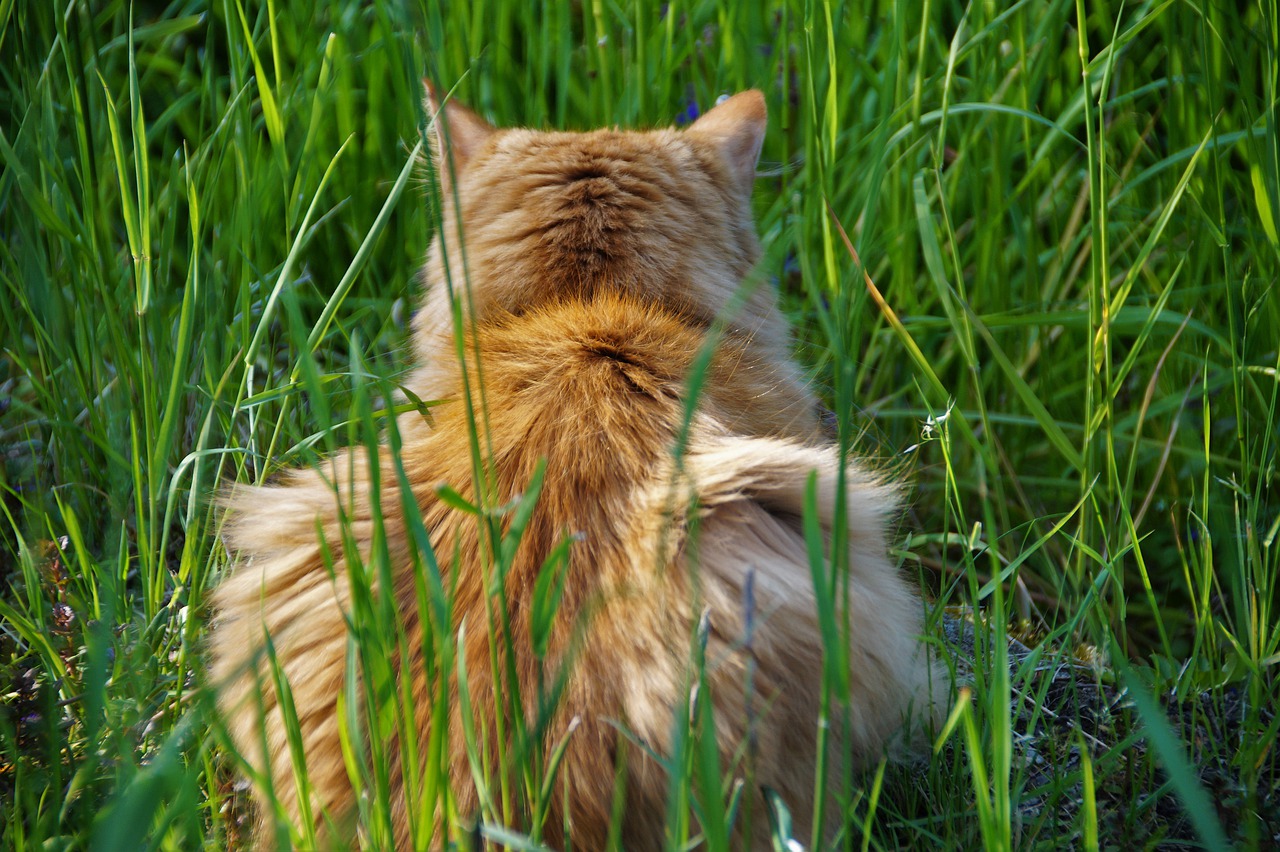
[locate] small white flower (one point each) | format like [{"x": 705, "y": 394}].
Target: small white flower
[{"x": 931, "y": 422}]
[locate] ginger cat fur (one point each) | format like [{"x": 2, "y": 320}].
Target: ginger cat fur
[{"x": 597, "y": 263}]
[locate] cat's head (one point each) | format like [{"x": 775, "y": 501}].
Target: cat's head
[{"x": 660, "y": 215}]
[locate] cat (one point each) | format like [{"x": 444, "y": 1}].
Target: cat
[{"x": 597, "y": 265}]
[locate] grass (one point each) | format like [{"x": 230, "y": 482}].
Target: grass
[{"x": 1064, "y": 334}]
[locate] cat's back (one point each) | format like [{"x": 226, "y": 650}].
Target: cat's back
[
  {"x": 611, "y": 380},
  {"x": 594, "y": 388}
]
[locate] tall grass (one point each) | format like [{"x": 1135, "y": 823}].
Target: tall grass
[{"x": 1030, "y": 250}]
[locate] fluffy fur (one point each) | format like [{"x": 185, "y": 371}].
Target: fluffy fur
[{"x": 597, "y": 263}]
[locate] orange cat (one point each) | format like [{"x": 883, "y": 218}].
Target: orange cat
[{"x": 597, "y": 263}]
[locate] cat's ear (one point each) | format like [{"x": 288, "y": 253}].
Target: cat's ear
[
  {"x": 457, "y": 133},
  {"x": 736, "y": 127}
]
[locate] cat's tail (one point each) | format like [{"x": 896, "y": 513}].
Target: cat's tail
[{"x": 752, "y": 496}]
